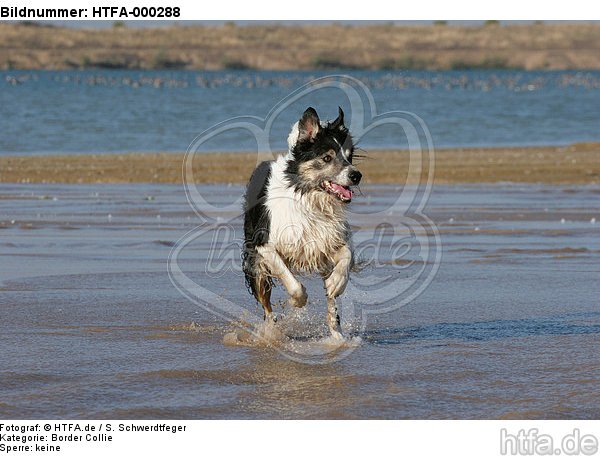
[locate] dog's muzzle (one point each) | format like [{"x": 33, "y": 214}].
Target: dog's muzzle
[{"x": 355, "y": 176}]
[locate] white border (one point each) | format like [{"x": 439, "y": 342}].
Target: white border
[
  {"x": 302, "y": 438},
  {"x": 349, "y": 10}
]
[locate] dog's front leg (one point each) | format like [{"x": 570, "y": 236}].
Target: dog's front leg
[
  {"x": 335, "y": 284},
  {"x": 279, "y": 270}
]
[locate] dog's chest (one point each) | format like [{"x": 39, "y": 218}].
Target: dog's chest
[{"x": 303, "y": 234}]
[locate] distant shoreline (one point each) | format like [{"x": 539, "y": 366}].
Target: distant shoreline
[
  {"x": 577, "y": 164},
  {"x": 383, "y": 46}
]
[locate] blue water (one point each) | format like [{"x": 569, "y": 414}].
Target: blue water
[{"x": 118, "y": 111}]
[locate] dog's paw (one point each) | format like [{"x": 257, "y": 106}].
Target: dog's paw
[
  {"x": 337, "y": 336},
  {"x": 272, "y": 317},
  {"x": 336, "y": 284},
  {"x": 299, "y": 298}
]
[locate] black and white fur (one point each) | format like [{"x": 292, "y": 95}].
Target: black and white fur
[{"x": 295, "y": 215}]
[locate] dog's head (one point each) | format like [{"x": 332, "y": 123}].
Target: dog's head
[{"x": 321, "y": 157}]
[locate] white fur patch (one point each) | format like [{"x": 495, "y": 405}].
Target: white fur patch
[
  {"x": 306, "y": 230},
  {"x": 345, "y": 152},
  {"x": 293, "y": 136}
]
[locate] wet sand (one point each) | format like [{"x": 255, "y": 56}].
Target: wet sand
[
  {"x": 93, "y": 328},
  {"x": 573, "y": 164}
]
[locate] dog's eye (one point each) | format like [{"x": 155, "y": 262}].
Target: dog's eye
[{"x": 327, "y": 158}]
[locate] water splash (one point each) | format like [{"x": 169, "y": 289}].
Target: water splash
[{"x": 298, "y": 331}]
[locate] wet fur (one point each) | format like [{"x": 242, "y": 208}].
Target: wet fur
[{"x": 292, "y": 225}]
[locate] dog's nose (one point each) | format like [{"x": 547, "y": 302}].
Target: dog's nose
[{"x": 355, "y": 177}]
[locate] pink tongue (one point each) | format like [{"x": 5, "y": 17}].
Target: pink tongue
[{"x": 345, "y": 192}]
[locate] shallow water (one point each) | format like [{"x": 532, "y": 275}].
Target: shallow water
[
  {"x": 80, "y": 111},
  {"x": 93, "y": 328}
]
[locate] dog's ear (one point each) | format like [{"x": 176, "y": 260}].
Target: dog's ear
[
  {"x": 339, "y": 122},
  {"x": 309, "y": 125}
]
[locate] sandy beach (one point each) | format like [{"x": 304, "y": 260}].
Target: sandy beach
[
  {"x": 123, "y": 292},
  {"x": 573, "y": 164},
  {"x": 94, "y": 328}
]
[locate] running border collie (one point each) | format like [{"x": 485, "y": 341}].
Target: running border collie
[{"x": 295, "y": 221}]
